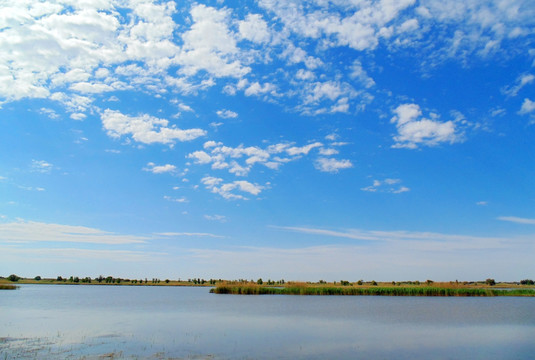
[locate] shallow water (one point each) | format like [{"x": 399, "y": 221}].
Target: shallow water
[{"x": 72, "y": 322}]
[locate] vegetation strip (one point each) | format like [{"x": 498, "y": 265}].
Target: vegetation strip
[
  {"x": 7, "y": 287},
  {"x": 377, "y": 291}
]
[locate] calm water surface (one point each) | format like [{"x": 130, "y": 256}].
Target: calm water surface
[{"x": 89, "y": 322}]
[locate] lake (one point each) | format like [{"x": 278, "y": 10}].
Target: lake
[{"x": 69, "y": 321}]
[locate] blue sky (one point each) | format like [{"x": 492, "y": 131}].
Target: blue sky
[{"x": 386, "y": 140}]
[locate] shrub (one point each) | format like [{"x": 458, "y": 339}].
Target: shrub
[
  {"x": 527, "y": 282},
  {"x": 37, "y": 278},
  {"x": 13, "y": 278},
  {"x": 490, "y": 282}
]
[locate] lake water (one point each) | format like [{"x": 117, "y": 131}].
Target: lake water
[{"x": 73, "y": 322}]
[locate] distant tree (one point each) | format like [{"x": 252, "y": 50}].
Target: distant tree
[
  {"x": 429, "y": 282},
  {"x": 37, "y": 278},
  {"x": 13, "y": 278},
  {"x": 374, "y": 283},
  {"x": 527, "y": 282},
  {"x": 360, "y": 282},
  {"x": 490, "y": 282},
  {"x": 259, "y": 281},
  {"x": 59, "y": 278},
  {"x": 167, "y": 281}
]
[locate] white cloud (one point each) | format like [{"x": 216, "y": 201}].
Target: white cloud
[
  {"x": 78, "y": 116},
  {"x": 220, "y": 218},
  {"x": 517, "y": 220},
  {"x": 41, "y": 166},
  {"x": 226, "y": 190},
  {"x": 387, "y": 185},
  {"x": 521, "y": 81},
  {"x": 145, "y": 128},
  {"x": 160, "y": 169},
  {"x": 31, "y": 231},
  {"x": 49, "y": 112},
  {"x": 226, "y": 114},
  {"x": 209, "y": 45},
  {"x": 414, "y": 130},
  {"x": 358, "y": 72},
  {"x": 177, "y": 200},
  {"x": 528, "y": 106},
  {"x": 332, "y": 165},
  {"x": 303, "y": 150},
  {"x": 254, "y": 28},
  {"x": 200, "y": 157},
  {"x": 188, "y": 234},
  {"x": 328, "y": 151},
  {"x": 256, "y": 89}
]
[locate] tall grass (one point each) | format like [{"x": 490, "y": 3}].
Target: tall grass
[
  {"x": 7, "y": 287},
  {"x": 376, "y": 291}
]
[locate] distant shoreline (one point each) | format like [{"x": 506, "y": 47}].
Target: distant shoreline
[{"x": 245, "y": 287}]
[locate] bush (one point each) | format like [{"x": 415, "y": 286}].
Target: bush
[
  {"x": 490, "y": 282},
  {"x": 13, "y": 278},
  {"x": 527, "y": 282},
  {"x": 37, "y": 278}
]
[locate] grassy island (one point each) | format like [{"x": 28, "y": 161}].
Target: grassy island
[
  {"x": 7, "y": 287},
  {"x": 392, "y": 290}
]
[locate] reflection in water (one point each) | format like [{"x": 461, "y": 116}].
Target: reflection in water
[{"x": 168, "y": 322}]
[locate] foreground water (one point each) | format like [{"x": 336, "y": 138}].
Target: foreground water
[{"x": 94, "y": 322}]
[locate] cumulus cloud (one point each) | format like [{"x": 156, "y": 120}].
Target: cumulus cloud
[
  {"x": 160, "y": 169},
  {"x": 332, "y": 165},
  {"x": 240, "y": 160},
  {"x": 415, "y": 130},
  {"x": 226, "y": 114},
  {"x": 145, "y": 128},
  {"x": 528, "y": 106},
  {"x": 254, "y": 29},
  {"x": 226, "y": 190},
  {"x": 209, "y": 45}
]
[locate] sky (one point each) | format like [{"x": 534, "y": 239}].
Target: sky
[{"x": 276, "y": 139}]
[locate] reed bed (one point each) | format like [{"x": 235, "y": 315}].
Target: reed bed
[
  {"x": 7, "y": 287},
  {"x": 374, "y": 291}
]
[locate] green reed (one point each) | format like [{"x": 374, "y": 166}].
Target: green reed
[{"x": 372, "y": 291}]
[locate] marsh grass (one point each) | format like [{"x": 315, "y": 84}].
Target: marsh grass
[
  {"x": 8, "y": 287},
  {"x": 374, "y": 291}
]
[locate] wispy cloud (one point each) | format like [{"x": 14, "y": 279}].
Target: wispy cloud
[
  {"x": 188, "y": 234},
  {"x": 517, "y": 220},
  {"x": 387, "y": 185},
  {"x": 41, "y": 166},
  {"x": 220, "y": 218},
  {"x": 31, "y": 231}
]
